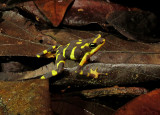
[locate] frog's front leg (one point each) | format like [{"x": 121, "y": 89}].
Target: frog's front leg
[
  {"x": 47, "y": 53},
  {"x": 83, "y": 61},
  {"x": 91, "y": 72},
  {"x": 60, "y": 61}
]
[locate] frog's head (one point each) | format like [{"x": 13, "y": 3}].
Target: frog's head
[
  {"x": 92, "y": 45},
  {"x": 96, "y": 44}
]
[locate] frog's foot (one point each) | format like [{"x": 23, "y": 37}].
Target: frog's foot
[
  {"x": 49, "y": 75},
  {"x": 95, "y": 74}
]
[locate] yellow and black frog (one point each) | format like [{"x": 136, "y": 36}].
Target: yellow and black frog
[{"x": 75, "y": 50}]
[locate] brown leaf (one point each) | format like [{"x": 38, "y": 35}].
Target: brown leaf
[
  {"x": 20, "y": 38},
  {"x": 31, "y": 9},
  {"x": 135, "y": 25},
  {"x": 76, "y": 106},
  {"x": 147, "y": 104},
  {"x": 84, "y": 12},
  {"x": 24, "y": 97},
  {"x": 54, "y": 10},
  {"x": 12, "y": 67},
  {"x": 121, "y": 51}
]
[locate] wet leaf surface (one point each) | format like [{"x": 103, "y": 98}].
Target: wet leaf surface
[
  {"x": 144, "y": 104},
  {"x": 24, "y": 97}
]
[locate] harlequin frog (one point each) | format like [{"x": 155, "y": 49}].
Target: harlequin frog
[{"x": 75, "y": 50}]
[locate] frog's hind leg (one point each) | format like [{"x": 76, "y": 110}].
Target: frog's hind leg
[
  {"x": 48, "y": 52},
  {"x": 59, "y": 64}
]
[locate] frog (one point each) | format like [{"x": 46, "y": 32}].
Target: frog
[{"x": 77, "y": 50}]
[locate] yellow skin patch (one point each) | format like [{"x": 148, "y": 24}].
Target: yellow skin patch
[
  {"x": 54, "y": 73},
  {"x": 45, "y": 51},
  {"x": 72, "y": 54},
  {"x": 83, "y": 61},
  {"x": 43, "y": 77},
  {"x": 81, "y": 72},
  {"x": 53, "y": 47},
  {"x": 88, "y": 74},
  {"x": 57, "y": 56},
  {"x": 95, "y": 40},
  {"x": 38, "y": 56},
  {"x": 62, "y": 61},
  {"x": 50, "y": 55},
  {"x": 85, "y": 45},
  {"x": 64, "y": 50},
  {"x": 78, "y": 42}
]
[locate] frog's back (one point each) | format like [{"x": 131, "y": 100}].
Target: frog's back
[{"x": 73, "y": 49}]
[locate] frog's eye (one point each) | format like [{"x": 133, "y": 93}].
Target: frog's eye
[{"x": 92, "y": 45}]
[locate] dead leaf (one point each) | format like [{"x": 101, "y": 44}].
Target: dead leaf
[
  {"x": 54, "y": 10},
  {"x": 136, "y": 25},
  {"x": 76, "y": 106},
  {"x": 121, "y": 51},
  {"x": 147, "y": 104},
  {"x": 30, "y": 9},
  {"x": 84, "y": 12},
  {"x": 23, "y": 97},
  {"x": 19, "y": 37}
]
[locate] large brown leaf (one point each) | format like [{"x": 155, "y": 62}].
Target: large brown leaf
[
  {"x": 84, "y": 12},
  {"x": 136, "y": 25},
  {"x": 19, "y": 37},
  {"x": 24, "y": 97},
  {"x": 54, "y": 10},
  {"x": 64, "y": 105},
  {"x": 147, "y": 104}
]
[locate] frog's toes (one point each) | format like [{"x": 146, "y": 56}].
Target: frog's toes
[
  {"x": 106, "y": 74},
  {"x": 38, "y": 56},
  {"x": 94, "y": 73},
  {"x": 42, "y": 77}
]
